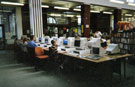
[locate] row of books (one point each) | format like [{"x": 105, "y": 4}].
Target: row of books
[{"x": 123, "y": 40}]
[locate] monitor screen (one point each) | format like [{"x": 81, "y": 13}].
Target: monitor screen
[
  {"x": 40, "y": 39},
  {"x": 65, "y": 42},
  {"x": 55, "y": 39},
  {"x": 95, "y": 50},
  {"x": 77, "y": 43},
  {"x": 46, "y": 40}
]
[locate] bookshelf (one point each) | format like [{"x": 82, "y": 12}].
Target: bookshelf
[{"x": 126, "y": 40}]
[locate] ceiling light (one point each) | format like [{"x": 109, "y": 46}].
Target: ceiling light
[
  {"x": 77, "y": 9},
  {"x": 12, "y": 3},
  {"x": 62, "y": 8},
  {"x": 78, "y": 16},
  {"x": 128, "y": 14},
  {"x": 69, "y": 15},
  {"x": 117, "y": 1},
  {"x": 107, "y": 12},
  {"x": 45, "y": 6},
  {"x": 55, "y": 14},
  {"x": 78, "y": 6},
  {"x": 131, "y": 4},
  {"x": 92, "y": 11},
  {"x": 5, "y": 11}
]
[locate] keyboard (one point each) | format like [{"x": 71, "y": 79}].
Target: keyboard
[
  {"x": 67, "y": 47},
  {"x": 94, "y": 57},
  {"x": 79, "y": 49}
]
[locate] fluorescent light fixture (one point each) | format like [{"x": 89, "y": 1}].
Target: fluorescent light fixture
[
  {"x": 55, "y": 14},
  {"x": 77, "y": 9},
  {"x": 61, "y": 8},
  {"x": 117, "y": 1},
  {"x": 78, "y": 6},
  {"x": 78, "y": 16},
  {"x": 131, "y": 4},
  {"x": 5, "y": 11},
  {"x": 92, "y": 11},
  {"x": 69, "y": 15},
  {"x": 128, "y": 14},
  {"x": 107, "y": 12},
  {"x": 45, "y": 6},
  {"x": 12, "y": 3}
]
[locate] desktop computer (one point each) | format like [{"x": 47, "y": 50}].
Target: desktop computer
[
  {"x": 65, "y": 42},
  {"x": 40, "y": 40},
  {"x": 47, "y": 40},
  {"x": 71, "y": 41},
  {"x": 94, "y": 42},
  {"x": 98, "y": 51},
  {"x": 55, "y": 39},
  {"x": 60, "y": 41},
  {"x": 113, "y": 49},
  {"x": 80, "y": 43}
]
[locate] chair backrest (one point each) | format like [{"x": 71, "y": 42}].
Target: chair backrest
[
  {"x": 31, "y": 51},
  {"x": 52, "y": 51},
  {"x": 39, "y": 51}
]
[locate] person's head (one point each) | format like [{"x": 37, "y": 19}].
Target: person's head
[
  {"x": 24, "y": 40},
  {"x": 54, "y": 43},
  {"x": 32, "y": 37}
]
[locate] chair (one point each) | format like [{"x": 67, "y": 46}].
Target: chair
[
  {"x": 31, "y": 55},
  {"x": 53, "y": 59},
  {"x": 41, "y": 59}
]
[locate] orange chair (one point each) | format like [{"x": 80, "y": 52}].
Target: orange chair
[
  {"x": 40, "y": 53},
  {"x": 40, "y": 58}
]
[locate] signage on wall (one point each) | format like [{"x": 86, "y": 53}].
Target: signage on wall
[
  {"x": 87, "y": 26},
  {"x": 82, "y": 28}
]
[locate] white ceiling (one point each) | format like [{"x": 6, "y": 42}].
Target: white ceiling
[{"x": 106, "y": 3}]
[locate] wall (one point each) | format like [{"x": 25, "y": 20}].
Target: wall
[{"x": 100, "y": 22}]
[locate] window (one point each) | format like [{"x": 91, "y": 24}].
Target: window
[
  {"x": 51, "y": 20},
  {"x": 131, "y": 1}
]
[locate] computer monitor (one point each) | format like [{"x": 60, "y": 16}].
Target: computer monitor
[
  {"x": 113, "y": 49},
  {"x": 99, "y": 51},
  {"x": 83, "y": 43},
  {"x": 95, "y": 42},
  {"x": 55, "y": 38},
  {"x": 96, "y": 50},
  {"x": 40, "y": 39},
  {"x": 60, "y": 42},
  {"x": 77, "y": 43},
  {"x": 65, "y": 42},
  {"x": 46, "y": 40},
  {"x": 71, "y": 41}
]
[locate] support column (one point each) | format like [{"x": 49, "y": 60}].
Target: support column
[
  {"x": 85, "y": 22},
  {"x": 45, "y": 31},
  {"x": 36, "y": 22},
  {"x": 19, "y": 22},
  {"x": 117, "y": 17}
]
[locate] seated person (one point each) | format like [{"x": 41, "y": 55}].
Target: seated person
[
  {"x": 103, "y": 42},
  {"x": 31, "y": 43},
  {"x": 53, "y": 48}
]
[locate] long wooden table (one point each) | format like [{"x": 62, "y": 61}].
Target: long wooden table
[{"x": 104, "y": 59}]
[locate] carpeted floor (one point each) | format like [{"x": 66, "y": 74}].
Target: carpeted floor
[{"x": 13, "y": 74}]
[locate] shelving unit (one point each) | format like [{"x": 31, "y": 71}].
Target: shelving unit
[{"x": 126, "y": 40}]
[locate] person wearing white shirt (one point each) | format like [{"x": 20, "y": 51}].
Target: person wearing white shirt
[{"x": 98, "y": 34}]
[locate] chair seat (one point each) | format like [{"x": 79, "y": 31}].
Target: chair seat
[{"x": 43, "y": 57}]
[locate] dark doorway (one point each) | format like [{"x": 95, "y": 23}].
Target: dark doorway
[{"x": 2, "y": 37}]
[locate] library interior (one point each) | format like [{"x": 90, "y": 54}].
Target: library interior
[{"x": 67, "y": 43}]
